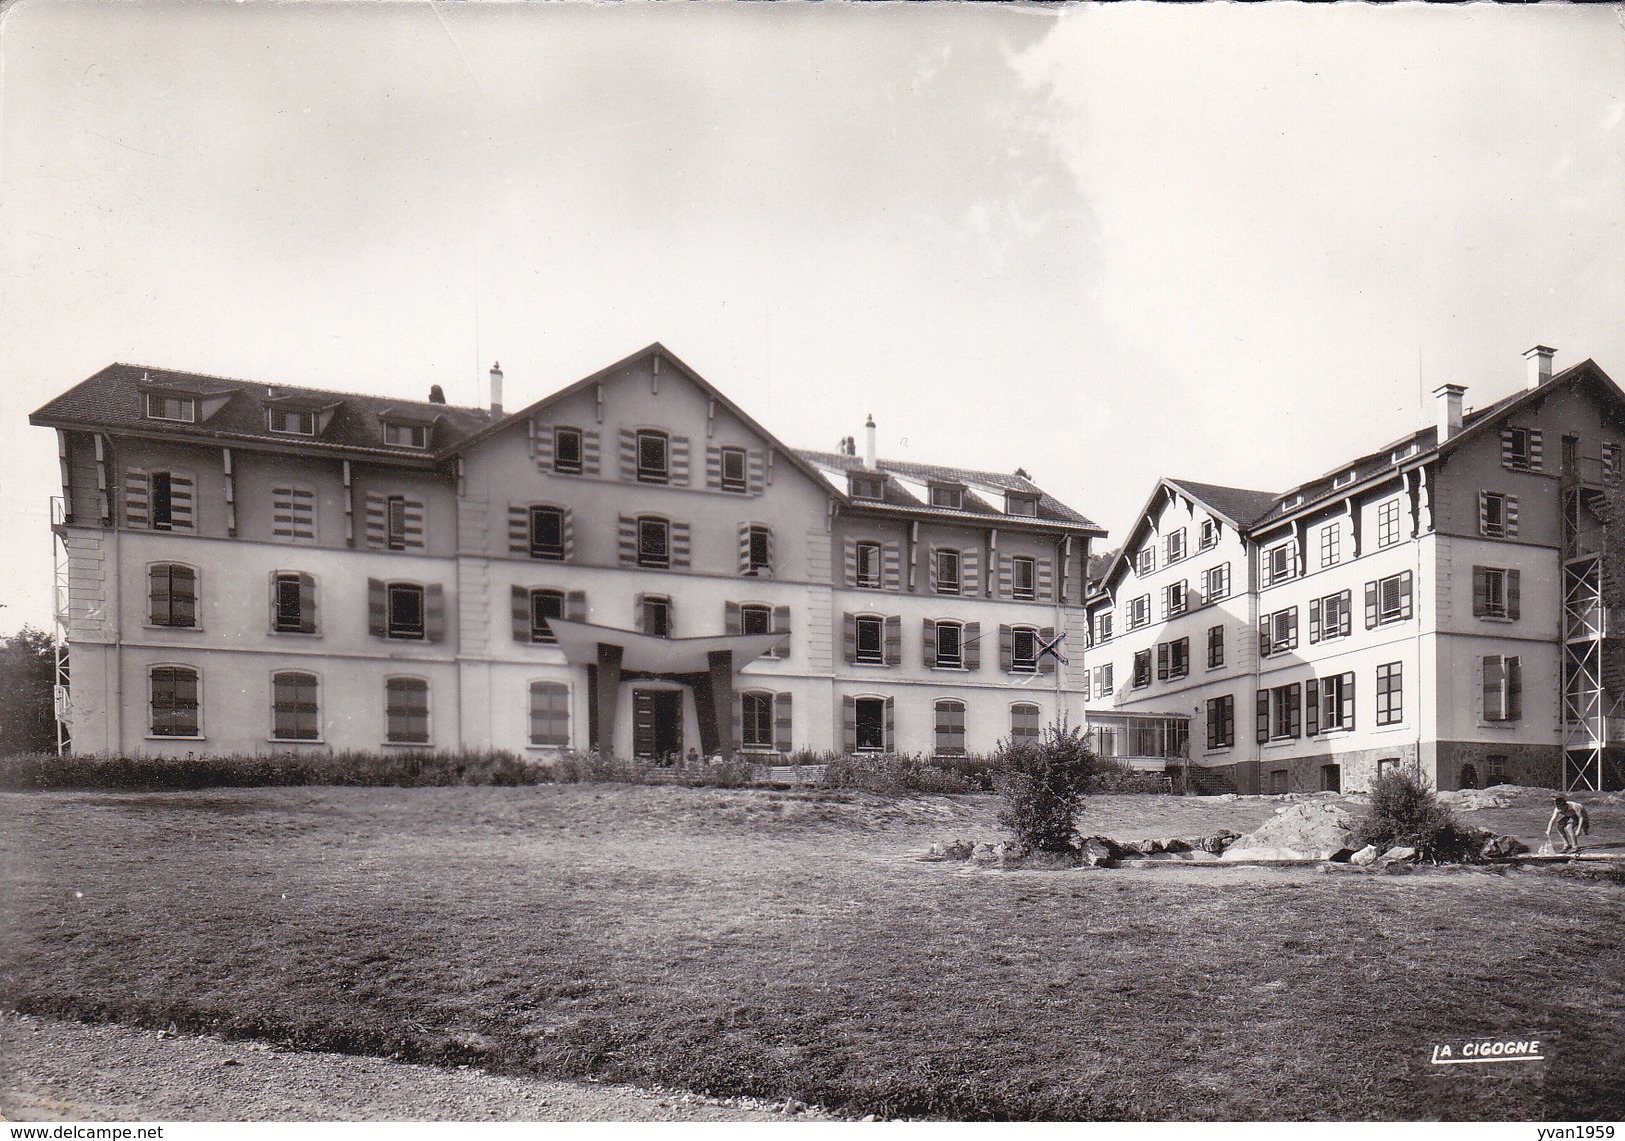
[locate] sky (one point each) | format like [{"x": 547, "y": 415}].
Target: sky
[{"x": 1229, "y": 243}]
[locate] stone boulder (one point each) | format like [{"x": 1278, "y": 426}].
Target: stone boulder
[
  {"x": 983, "y": 853},
  {"x": 1400, "y": 855},
  {"x": 1305, "y": 830},
  {"x": 957, "y": 850},
  {"x": 1096, "y": 852},
  {"x": 1365, "y": 857},
  {"x": 1502, "y": 847}
]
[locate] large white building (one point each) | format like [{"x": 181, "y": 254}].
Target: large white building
[
  {"x": 1442, "y": 603},
  {"x": 631, "y": 564}
]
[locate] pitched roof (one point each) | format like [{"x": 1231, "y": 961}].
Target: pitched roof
[
  {"x": 113, "y": 399},
  {"x": 1238, "y": 505}
]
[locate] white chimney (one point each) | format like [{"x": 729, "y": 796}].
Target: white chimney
[
  {"x": 1449, "y": 397},
  {"x": 496, "y": 389},
  {"x": 869, "y": 443},
  {"x": 1540, "y": 365}
]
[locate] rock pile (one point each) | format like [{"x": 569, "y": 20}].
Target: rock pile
[{"x": 1307, "y": 830}]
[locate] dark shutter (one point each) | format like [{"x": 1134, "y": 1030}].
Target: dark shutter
[
  {"x": 1348, "y": 700},
  {"x": 781, "y": 625},
  {"x": 1263, "y": 715},
  {"x": 849, "y": 639},
  {"x": 1481, "y": 591},
  {"x": 890, "y": 741},
  {"x": 1314, "y": 621},
  {"x": 971, "y": 646},
  {"x": 781, "y": 722},
  {"x": 1264, "y": 643},
  {"x": 434, "y": 613},
  {"x": 1312, "y": 706},
  {"x": 1494, "y": 707},
  {"x": 894, "y": 642},
  {"x": 1162, "y": 661},
  {"x": 307, "y": 603},
  {"x": 1514, "y": 672},
  {"x": 1405, "y": 595},
  {"x": 1371, "y": 605},
  {"x": 519, "y": 599},
  {"x": 575, "y": 606},
  {"x": 929, "y": 644},
  {"x": 1294, "y": 709},
  {"x": 849, "y": 718},
  {"x": 1292, "y": 628},
  {"x": 1514, "y": 594},
  {"x": 1046, "y": 662},
  {"x": 1007, "y": 649},
  {"x": 1345, "y": 614},
  {"x": 159, "y": 606},
  {"x": 732, "y": 621},
  {"x": 377, "y": 609}
]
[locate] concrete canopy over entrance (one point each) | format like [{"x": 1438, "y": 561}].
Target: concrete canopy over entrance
[{"x": 706, "y": 665}]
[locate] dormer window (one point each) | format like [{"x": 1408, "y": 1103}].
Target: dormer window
[
  {"x": 293, "y": 421},
  {"x": 167, "y": 406},
  {"x": 948, "y": 496},
  {"x": 402, "y": 435},
  {"x": 1344, "y": 478},
  {"x": 1020, "y": 503},
  {"x": 867, "y": 485}
]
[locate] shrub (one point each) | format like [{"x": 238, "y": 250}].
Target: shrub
[
  {"x": 895, "y": 773},
  {"x": 1116, "y": 776},
  {"x": 1042, "y": 783},
  {"x": 1404, "y": 812}
]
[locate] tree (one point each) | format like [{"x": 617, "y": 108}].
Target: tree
[
  {"x": 27, "y": 679},
  {"x": 1042, "y": 784}
]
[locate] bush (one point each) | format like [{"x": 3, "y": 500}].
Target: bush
[
  {"x": 1404, "y": 812},
  {"x": 1119, "y": 776},
  {"x": 1042, "y": 783},
  {"x": 900, "y": 772}
]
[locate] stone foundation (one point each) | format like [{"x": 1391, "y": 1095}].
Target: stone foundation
[{"x": 1486, "y": 763}]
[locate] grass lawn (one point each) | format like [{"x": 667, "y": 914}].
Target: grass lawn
[{"x": 785, "y": 944}]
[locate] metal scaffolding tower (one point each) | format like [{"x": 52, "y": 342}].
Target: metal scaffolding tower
[
  {"x": 1591, "y": 708},
  {"x": 60, "y": 601}
]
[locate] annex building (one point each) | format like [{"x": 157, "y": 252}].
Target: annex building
[
  {"x": 1450, "y": 602},
  {"x": 631, "y": 564}
]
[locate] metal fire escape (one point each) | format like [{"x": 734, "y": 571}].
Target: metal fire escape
[{"x": 1592, "y": 708}]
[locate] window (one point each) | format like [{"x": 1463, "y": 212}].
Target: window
[
  {"x": 1023, "y": 650},
  {"x": 546, "y": 533},
  {"x": 1331, "y": 778},
  {"x": 182, "y": 409},
  {"x": 1497, "y": 593},
  {"x": 405, "y": 610},
  {"x": 1210, "y": 534},
  {"x": 1330, "y": 703},
  {"x": 293, "y": 603},
  {"x": 1497, "y": 515},
  {"x": 1330, "y": 617},
  {"x": 1142, "y": 669},
  {"x": 1215, "y": 647},
  {"x": 1387, "y": 766},
  {"x": 653, "y": 457},
  {"x": 163, "y": 501},
  {"x": 1103, "y": 627},
  {"x": 1611, "y": 468},
  {"x": 1104, "y": 679},
  {"x": 1388, "y": 523},
  {"x": 950, "y": 646},
  {"x": 1280, "y": 563},
  {"x": 867, "y": 486},
  {"x": 1019, "y": 504},
  {"x": 654, "y": 542},
  {"x": 755, "y": 619},
  {"x": 406, "y": 711},
  {"x": 172, "y": 595},
  {"x": 1176, "y": 545},
  {"x": 293, "y": 514},
  {"x": 566, "y": 454},
  {"x": 1495, "y": 770},
  {"x": 869, "y": 565},
  {"x": 1388, "y": 600},
  {"x": 1390, "y": 693},
  {"x": 406, "y": 435},
  {"x": 1344, "y": 478},
  {"x": 1173, "y": 599},
  {"x": 1139, "y": 611},
  {"x": 947, "y": 572},
  {"x": 756, "y": 720},
  {"x": 549, "y": 714},
  {"x": 1145, "y": 561},
  {"x": 869, "y": 716},
  {"x": 947, "y": 496},
  {"x": 294, "y": 715},
  {"x": 1216, "y": 582},
  {"x": 1331, "y": 540},
  {"x": 871, "y": 640},
  {"x": 758, "y": 552},
  {"x": 733, "y": 470},
  {"x": 1280, "y": 713},
  {"x": 544, "y": 606},
  {"x": 1520, "y": 449},
  {"x": 1024, "y": 579},
  {"x": 293, "y": 421},
  {"x": 1278, "y": 632},
  {"x": 1221, "y": 722},
  {"x": 950, "y": 728},
  {"x": 1503, "y": 688},
  {"x": 397, "y": 523},
  {"x": 1173, "y": 659},
  {"x": 174, "y": 701},
  {"x": 1024, "y": 722}
]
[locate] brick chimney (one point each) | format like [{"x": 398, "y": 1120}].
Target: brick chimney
[
  {"x": 1449, "y": 398},
  {"x": 1540, "y": 365}
]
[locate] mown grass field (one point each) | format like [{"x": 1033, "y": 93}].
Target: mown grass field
[{"x": 784, "y": 944}]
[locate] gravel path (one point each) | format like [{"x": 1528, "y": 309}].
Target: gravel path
[{"x": 69, "y": 1071}]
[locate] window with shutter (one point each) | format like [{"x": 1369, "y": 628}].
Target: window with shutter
[
  {"x": 174, "y": 701},
  {"x": 1176, "y": 545},
  {"x": 1210, "y": 534},
  {"x": 549, "y": 714},
  {"x": 172, "y": 595},
  {"x": 1023, "y": 580},
  {"x": 756, "y": 716},
  {"x": 758, "y": 551},
  {"x": 755, "y": 619},
  {"x": 1142, "y": 669},
  {"x": 567, "y": 454},
  {"x": 546, "y": 533},
  {"x": 293, "y": 602},
  {"x": 653, "y": 457},
  {"x": 295, "y": 715},
  {"x": 867, "y": 571},
  {"x": 1221, "y": 722},
  {"x": 869, "y": 724},
  {"x": 293, "y": 514},
  {"x": 945, "y": 572},
  {"x": 1145, "y": 561},
  {"x": 950, "y": 723},
  {"x": 406, "y": 711},
  {"x": 1023, "y": 650},
  {"x": 1392, "y": 598},
  {"x": 1162, "y": 661},
  {"x": 406, "y": 611},
  {"x": 1215, "y": 647},
  {"x": 1492, "y": 514},
  {"x": 870, "y": 647},
  {"x": 1139, "y": 611},
  {"x": 1025, "y": 722},
  {"x": 731, "y": 475},
  {"x": 654, "y": 542}
]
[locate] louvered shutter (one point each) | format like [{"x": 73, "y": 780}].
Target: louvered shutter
[
  {"x": 1371, "y": 605},
  {"x": 1405, "y": 595},
  {"x": 681, "y": 544},
  {"x": 1263, "y": 715},
  {"x": 713, "y": 467},
  {"x": 970, "y": 573},
  {"x": 1046, "y": 579},
  {"x": 1312, "y": 707},
  {"x": 434, "y": 613},
  {"x": 1292, "y": 628},
  {"x": 781, "y": 625},
  {"x": 1162, "y": 661},
  {"x": 931, "y": 571},
  {"x": 575, "y": 606},
  {"x": 629, "y": 455},
  {"x": 739, "y": 721},
  {"x": 1294, "y": 708},
  {"x": 851, "y": 562},
  {"x": 1536, "y": 450},
  {"x": 377, "y": 608},
  {"x": 276, "y": 611},
  {"x": 180, "y": 502},
  {"x": 307, "y": 603},
  {"x": 971, "y": 645},
  {"x": 1493, "y": 680},
  {"x": 849, "y": 638},
  {"x": 781, "y": 722},
  {"x": 929, "y": 647},
  {"x": 137, "y": 498},
  {"x": 1348, "y": 700},
  {"x": 1345, "y": 613},
  {"x": 1514, "y": 594},
  {"x": 679, "y": 461},
  {"x": 1512, "y": 515},
  {"x": 1264, "y": 643},
  {"x": 756, "y": 470},
  {"x": 568, "y": 526},
  {"x": 890, "y": 740},
  {"x": 518, "y": 529},
  {"x": 892, "y": 566},
  {"x": 1483, "y": 513},
  {"x": 1046, "y": 662},
  {"x": 626, "y": 541},
  {"x": 377, "y": 520},
  {"x": 894, "y": 640},
  {"x": 541, "y": 445},
  {"x": 519, "y": 599},
  {"x": 732, "y": 620},
  {"x": 1481, "y": 591},
  {"x": 1007, "y": 577},
  {"x": 1514, "y": 675},
  {"x": 1007, "y": 648},
  {"x": 849, "y": 719},
  {"x": 158, "y": 601},
  {"x": 1507, "y": 456},
  {"x": 591, "y": 453},
  {"x": 413, "y": 532},
  {"x": 1314, "y": 621},
  {"x": 744, "y": 548}
]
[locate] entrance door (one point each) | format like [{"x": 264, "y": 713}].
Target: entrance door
[
  {"x": 1571, "y": 457},
  {"x": 657, "y": 724}
]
